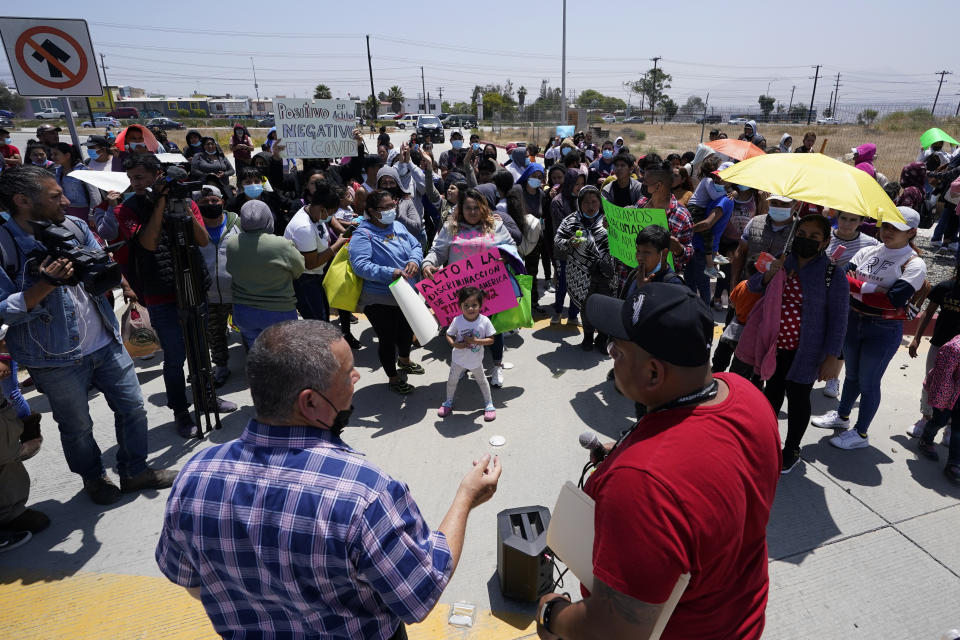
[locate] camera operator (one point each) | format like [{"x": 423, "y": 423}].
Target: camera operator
[
  {"x": 69, "y": 339},
  {"x": 687, "y": 490},
  {"x": 149, "y": 270}
]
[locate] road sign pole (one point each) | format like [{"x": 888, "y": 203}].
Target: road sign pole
[{"x": 71, "y": 123}]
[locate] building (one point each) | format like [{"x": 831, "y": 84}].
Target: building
[
  {"x": 229, "y": 107},
  {"x": 415, "y": 105},
  {"x": 261, "y": 108}
]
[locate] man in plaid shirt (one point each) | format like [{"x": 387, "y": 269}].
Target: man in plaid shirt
[
  {"x": 287, "y": 531},
  {"x": 659, "y": 181}
]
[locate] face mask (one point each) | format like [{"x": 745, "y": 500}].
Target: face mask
[
  {"x": 388, "y": 217},
  {"x": 475, "y": 146},
  {"x": 195, "y": 144},
  {"x": 211, "y": 211},
  {"x": 779, "y": 214},
  {"x": 742, "y": 187},
  {"x": 607, "y": 154},
  {"x": 717, "y": 190},
  {"x": 564, "y": 151},
  {"x": 253, "y": 190},
  {"x": 93, "y": 153},
  {"x": 340, "y": 420},
  {"x": 38, "y": 163},
  {"x": 805, "y": 247},
  {"x": 133, "y": 146},
  {"x": 534, "y": 183},
  {"x": 456, "y": 144},
  {"x": 8, "y": 141},
  {"x": 589, "y": 216},
  {"x": 656, "y": 268},
  {"x": 128, "y": 196}
]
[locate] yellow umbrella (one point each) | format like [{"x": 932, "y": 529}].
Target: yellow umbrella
[{"x": 817, "y": 179}]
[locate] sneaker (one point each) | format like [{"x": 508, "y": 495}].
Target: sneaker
[
  {"x": 953, "y": 246},
  {"x": 917, "y": 429},
  {"x": 28, "y": 449},
  {"x": 574, "y": 322},
  {"x": 220, "y": 374},
  {"x": 411, "y": 367},
  {"x": 952, "y": 472},
  {"x": 928, "y": 450},
  {"x": 225, "y": 406},
  {"x": 102, "y": 490},
  {"x": 489, "y": 413},
  {"x": 712, "y": 272},
  {"x": 445, "y": 409},
  {"x": 401, "y": 386},
  {"x": 554, "y": 317},
  {"x": 353, "y": 320},
  {"x": 831, "y": 420},
  {"x": 850, "y": 440},
  {"x": 721, "y": 260},
  {"x": 587, "y": 344},
  {"x": 551, "y": 288},
  {"x": 30, "y": 520},
  {"x": 790, "y": 460},
  {"x": 185, "y": 426},
  {"x": 149, "y": 479},
  {"x": 832, "y": 388},
  {"x": 496, "y": 376},
  {"x": 936, "y": 243},
  {"x": 353, "y": 342},
  {"x": 10, "y": 540}
]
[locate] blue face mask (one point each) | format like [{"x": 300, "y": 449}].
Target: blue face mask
[
  {"x": 534, "y": 183},
  {"x": 388, "y": 217},
  {"x": 742, "y": 187},
  {"x": 456, "y": 144},
  {"x": 195, "y": 144},
  {"x": 779, "y": 214},
  {"x": 8, "y": 141},
  {"x": 476, "y": 146},
  {"x": 564, "y": 151},
  {"x": 92, "y": 153},
  {"x": 717, "y": 190},
  {"x": 607, "y": 154},
  {"x": 133, "y": 146},
  {"x": 590, "y": 216},
  {"x": 253, "y": 191},
  {"x": 127, "y": 196},
  {"x": 656, "y": 268}
]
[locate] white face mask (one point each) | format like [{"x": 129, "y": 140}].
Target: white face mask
[{"x": 780, "y": 214}]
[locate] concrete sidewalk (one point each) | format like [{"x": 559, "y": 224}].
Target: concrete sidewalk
[{"x": 862, "y": 544}]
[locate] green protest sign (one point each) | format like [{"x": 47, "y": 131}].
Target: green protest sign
[{"x": 623, "y": 225}]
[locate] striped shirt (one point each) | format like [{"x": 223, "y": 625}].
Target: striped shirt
[
  {"x": 852, "y": 246},
  {"x": 289, "y": 533}
]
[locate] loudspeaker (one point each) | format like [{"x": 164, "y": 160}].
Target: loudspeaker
[{"x": 523, "y": 565}]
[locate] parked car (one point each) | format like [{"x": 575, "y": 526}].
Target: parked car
[
  {"x": 608, "y": 118},
  {"x": 739, "y": 121},
  {"x": 442, "y": 116},
  {"x": 267, "y": 121},
  {"x": 633, "y": 120},
  {"x": 460, "y": 120},
  {"x": 164, "y": 123},
  {"x": 102, "y": 121},
  {"x": 6, "y": 122},
  {"x": 51, "y": 114},
  {"x": 124, "y": 112},
  {"x": 6, "y": 114},
  {"x": 408, "y": 120},
  {"x": 714, "y": 119},
  {"x": 429, "y": 128},
  {"x": 827, "y": 121},
  {"x": 390, "y": 115}
]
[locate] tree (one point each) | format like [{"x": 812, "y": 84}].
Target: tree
[
  {"x": 766, "y": 104},
  {"x": 693, "y": 105},
  {"x": 373, "y": 105},
  {"x": 798, "y": 111},
  {"x": 395, "y": 96},
  {"x": 11, "y": 101},
  {"x": 867, "y": 116},
  {"x": 322, "y": 92},
  {"x": 461, "y": 107},
  {"x": 521, "y": 95},
  {"x": 382, "y": 96},
  {"x": 445, "y": 106},
  {"x": 653, "y": 85},
  {"x": 668, "y": 108}
]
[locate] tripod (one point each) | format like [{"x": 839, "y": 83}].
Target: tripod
[{"x": 192, "y": 309}]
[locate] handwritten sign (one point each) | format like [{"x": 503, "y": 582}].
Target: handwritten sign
[
  {"x": 484, "y": 271},
  {"x": 623, "y": 225},
  {"x": 315, "y": 128}
]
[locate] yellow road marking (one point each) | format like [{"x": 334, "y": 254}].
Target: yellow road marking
[{"x": 105, "y": 606}]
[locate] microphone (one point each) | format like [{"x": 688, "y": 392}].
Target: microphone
[{"x": 589, "y": 441}]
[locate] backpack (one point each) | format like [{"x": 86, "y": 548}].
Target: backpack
[{"x": 11, "y": 257}]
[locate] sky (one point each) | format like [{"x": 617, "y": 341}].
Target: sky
[{"x": 177, "y": 47}]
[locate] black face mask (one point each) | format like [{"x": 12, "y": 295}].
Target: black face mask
[
  {"x": 806, "y": 247},
  {"x": 211, "y": 211},
  {"x": 397, "y": 193},
  {"x": 340, "y": 420}
]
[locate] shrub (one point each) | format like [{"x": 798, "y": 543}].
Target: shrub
[
  {"x": 917, "y": 119},
  {"x": 198, "y": 113},
  {"x": 183, "y": 113}
]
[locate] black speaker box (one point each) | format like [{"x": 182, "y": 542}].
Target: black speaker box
[{"x": 523, "y": 565}]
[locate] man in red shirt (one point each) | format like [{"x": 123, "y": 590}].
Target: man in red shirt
[
  {"x": 11, "y": 155},
  {"x": 688, "y": 490}
]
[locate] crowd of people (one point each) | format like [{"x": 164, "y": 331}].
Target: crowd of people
[{"x": 803, "y": 294}]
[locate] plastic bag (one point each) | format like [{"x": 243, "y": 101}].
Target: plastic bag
[
  {"x": 341, "y": 284},
  {"x": 520, "y": 315},
  {"x": 138, "y": 335}
]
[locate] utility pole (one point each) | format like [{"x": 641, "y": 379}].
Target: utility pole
[
  {"x": 653, "y": 87},
  {"x": 958, "y": 109},
  {"x": 440, "y": 89},
  {"x": 836, "y": 94},
  {"x": 256, "y": 87},
  {"x": 816, "y": 76},
  {"x": 942, "y": 73},
  {"x": 791, "y": 99},
  {"x": 103, "y": 65},
  {"x": 703, "y": 120},
  {"x": 423, "y": 86},
  {"x": 374, "y": 102},
  {"x": 642, "y": 94},
  {"x": 830, "y": 102},
  {"x": 563, "y": 69}
]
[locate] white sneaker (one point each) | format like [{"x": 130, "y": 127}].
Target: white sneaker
[
  {"x": 721, "y": 260},
  {"x": 917, "y": 429},
  {"x": 832, "y": 388},
  {"x": 496, "y": 376},
  {"x": 831, "y": 420},
  {"x": 850, "y": 440},
  {"x": 712, "y": 272},
  {"x": 551, "y": 288}
]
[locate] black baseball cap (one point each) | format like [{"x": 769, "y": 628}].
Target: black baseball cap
[
  {"x": 98, "y": 141},
  {"x": 668, "y": 321},
  {"x": 47, "y": 127}
]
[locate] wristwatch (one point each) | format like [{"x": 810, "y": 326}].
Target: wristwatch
[{"x": 546, "y": 611}]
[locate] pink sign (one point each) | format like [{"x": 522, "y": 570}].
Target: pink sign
[{"x": 484, "y": 271}]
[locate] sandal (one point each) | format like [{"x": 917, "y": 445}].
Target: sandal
[
  {"x": 402, "y": 387},
  {"x": 412, "y": 368}
]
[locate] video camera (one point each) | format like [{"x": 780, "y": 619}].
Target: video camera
[
  {"x": 178, "y": 188},
  {"x": 92, "y": 268}
]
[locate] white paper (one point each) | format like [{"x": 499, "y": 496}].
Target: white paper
[
  {"x": 415, "y": 310},
  {"x": 171, "y": 158},
  {"x": 105, "y": 180}
]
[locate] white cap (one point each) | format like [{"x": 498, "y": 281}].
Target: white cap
[
  {"x": 774, "y": 196},
  {"x": 911, "y": 219}
]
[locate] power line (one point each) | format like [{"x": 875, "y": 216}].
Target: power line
[{"x": 214, "y": 32}]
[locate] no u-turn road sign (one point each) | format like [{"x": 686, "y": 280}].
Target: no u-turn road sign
[{"x": 50, "y": 56}]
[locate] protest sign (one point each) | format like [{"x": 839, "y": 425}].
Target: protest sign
[
  {"x": 315, "y": 128},
  {"x": 566, "y": 131},
  {"x": 484, "y": 271},
  {"x": 623, "y": 225}
]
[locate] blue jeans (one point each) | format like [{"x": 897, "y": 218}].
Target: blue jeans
[
  {"x": 695, "y": 278},
  {"x": 10, "y": 388},
  {"x": 868, "y": 348},
  {"x": 311, "y": 297},
  {"x": 946, "y": 227},
  {"x": 252, "y": 321},
  {"x": 561, "y": 292},
  {"x": 166, "y": 323},
  {"x": 938, "y": 421},
  {"x": 111, "y": 371}
]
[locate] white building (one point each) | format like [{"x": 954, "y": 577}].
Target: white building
[
  {"x": 415, "y": 105},
  {"x": 226, "y": 107}
]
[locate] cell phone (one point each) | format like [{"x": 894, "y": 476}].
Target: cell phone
[{"x": 348, "y": 232}]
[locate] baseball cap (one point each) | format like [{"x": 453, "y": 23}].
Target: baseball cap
[
  {"x": 47, "y": 127},
  {"x": 668, "y": 321},
  {"x": 210, "y": 190},
  {"x": 98, "y": 141},
  {"x": 911, "y": 219},
  {"x": 780, "y": 198},
  {"x": 3, "y": 130}
]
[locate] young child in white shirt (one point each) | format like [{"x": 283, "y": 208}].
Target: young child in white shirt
[{"x": 468, "y": 334}]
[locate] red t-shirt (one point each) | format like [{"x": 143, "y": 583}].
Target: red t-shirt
[
  {"x": 8, "y": 151},
  {"x": 790, "y": 307},
  {"x": 690, "y": 490}
]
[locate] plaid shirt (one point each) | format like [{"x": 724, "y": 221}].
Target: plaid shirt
[
  {"x": 289, "y": 533},
  {"x": 681, "y": 228}
]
